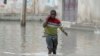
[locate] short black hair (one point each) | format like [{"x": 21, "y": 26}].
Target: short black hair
[{"x": 53, "y": 11}]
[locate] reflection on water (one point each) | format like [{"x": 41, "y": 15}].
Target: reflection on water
[
  {"x": 23, "y": 33},
  {"x": 27, "y": 41},
  {"x": 69, "y": 43}
]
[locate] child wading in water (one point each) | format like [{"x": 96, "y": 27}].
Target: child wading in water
[{"x": 50, "y": 27}]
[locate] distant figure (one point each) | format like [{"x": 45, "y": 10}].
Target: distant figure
[{"x": 50, "y": 27}]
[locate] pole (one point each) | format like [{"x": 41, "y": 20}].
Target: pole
[
  {"x": 63, "y": 10},
  {"x": 5, "y": 1},
  {"x": 33, "y": 6},
  {"x": 23, "y": 16}
]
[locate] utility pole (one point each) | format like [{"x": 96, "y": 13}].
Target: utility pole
[
  {"x": 5, "y": 1},
  {"x": 33, "y": 6},
  {"x": 23, "y": 15}
]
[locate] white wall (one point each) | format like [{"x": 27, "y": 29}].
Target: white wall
[
  {"x": 88, "y": 10},
  {"x": 44, "y": 7}
]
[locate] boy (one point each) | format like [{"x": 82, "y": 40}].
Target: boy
[{"x": 50, "y": 26}]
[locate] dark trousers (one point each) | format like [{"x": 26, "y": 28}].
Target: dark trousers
[{"x": 52, "y": 42}]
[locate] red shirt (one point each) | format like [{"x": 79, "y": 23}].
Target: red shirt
[{"x": 53, "y": 25}]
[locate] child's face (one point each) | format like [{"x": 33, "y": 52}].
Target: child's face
[{"x": 53, "y": 14}]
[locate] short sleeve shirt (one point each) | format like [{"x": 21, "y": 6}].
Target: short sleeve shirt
[{"x": 52, "y": 26}]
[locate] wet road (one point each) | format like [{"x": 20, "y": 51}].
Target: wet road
[{"x": 28, "y": 41}]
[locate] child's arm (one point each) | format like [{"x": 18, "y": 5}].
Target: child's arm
[
  {"x": 61, "y": 28},
  {"x": 45, "y": 23}
]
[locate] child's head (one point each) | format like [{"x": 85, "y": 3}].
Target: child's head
[{"x": 53, "y": 14}]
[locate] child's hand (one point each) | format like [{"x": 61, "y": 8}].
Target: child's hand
[
  {"x": 66, "y": 33},
  {"x": 44, "y": 36}
]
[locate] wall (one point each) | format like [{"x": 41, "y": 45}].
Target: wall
[
  {"x": 88, "y": 11},
  {"x": 70, "y": 10},
  {"x": 41, "y": 7}
]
